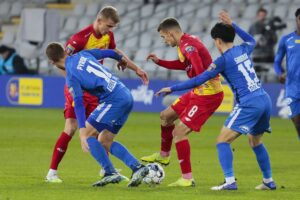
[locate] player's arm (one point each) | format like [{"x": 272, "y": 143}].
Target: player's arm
[
  {"x": 168, "y": 64},
  {"x": 105, "y": 53},
  {"x": 74, "y": 45},
  {"x": 192, "y": 54},
  {"x": 246, "y": 37},
  {"x": 213, "y": 70},
  {"x": 77, "y": 94},
  {"x": 131, "y": 65},
  {"x": 279, "y": 57}
]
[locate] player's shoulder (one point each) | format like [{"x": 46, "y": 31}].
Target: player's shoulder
[
  {"x": 288, "y": 36},
  {"x": 84, "y": 33},
  {"x": 188, "y": 43}
]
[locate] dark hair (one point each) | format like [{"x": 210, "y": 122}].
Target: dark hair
[
  {"x": 55, "y": 51},
  {"x": 168, "y": 23},
  {"x": 109, "y": 12},
  {"x": 261, "y": 9},
  {"x": 297, "y": 12},
  {"x": 223, "y": 31},
  {"x": 3, "y": 48}
]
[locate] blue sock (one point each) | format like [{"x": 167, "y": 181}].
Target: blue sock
[
  {"x": 100, "y": 155},
  {"x": 263, "y": 160},
  {"x": 225, "y": 158},
  {"x": 120, "y": 151}
]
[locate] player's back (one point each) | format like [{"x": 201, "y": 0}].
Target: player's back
[
  {"x": 187, "y": 43},
  {"x": 92, "y": 76},
  {"x": 239, "y": 72}
]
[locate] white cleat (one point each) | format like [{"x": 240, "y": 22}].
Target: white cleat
[{"x": 53, "y": 179}]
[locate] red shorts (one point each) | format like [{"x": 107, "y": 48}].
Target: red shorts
[
  {"x": 90, "y": 104},
  {"x": 193, "y": 110}
]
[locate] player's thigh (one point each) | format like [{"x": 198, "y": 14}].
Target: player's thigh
[
  {"x": 168, "y": 115},
  {"x": 199, "y": 109},
  {"x": 227, "y": 135},
  {"x": 90, "y": 131}
]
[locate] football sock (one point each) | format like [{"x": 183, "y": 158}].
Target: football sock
[
  {"x": 225, "y": 159},
  {"x": 184, "y": 154},
  {"x": 230, "y": 179},
  {"x": 263, "y": 160},
  {"x": 100, "y": 155},
  {"x": 166, "y": 139},
  {"x": 121, "y": 152},
  {"x": 59, "y": 150}
]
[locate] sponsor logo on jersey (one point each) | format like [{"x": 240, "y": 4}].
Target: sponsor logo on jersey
[{"x": 245, "y": 128}]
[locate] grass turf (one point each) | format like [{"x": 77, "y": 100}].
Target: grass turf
[{"x": 27, "y": 137}]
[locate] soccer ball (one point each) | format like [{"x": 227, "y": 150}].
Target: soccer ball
[{"x": 156, "y": 174}]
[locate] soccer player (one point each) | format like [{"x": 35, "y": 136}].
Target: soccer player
[
  {"x": 85, "y": 73},
  {"x": 192, "y": 108},
  {"x": 289, "y": 45},
  {"x": 251, "y": 115},
  {"x": 97, "y": 35}
]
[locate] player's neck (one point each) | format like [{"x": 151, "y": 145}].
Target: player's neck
[
  {"x": 178, "y": 37},
  {"x": 226, "y": 46},
  {"x": 95, "y": 29}
]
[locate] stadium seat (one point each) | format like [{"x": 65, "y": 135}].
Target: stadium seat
[
  {"x": 141, "y": 54},
  {"x": 147, "y": 10},
  {"x": 171, "y": 54},
  {"x": 92, "y": 10},
  {"x": 84, "y": 22},
  {"x": 16, "y": 9},
  {"x": 131, "y": 42},
  {"x": 250, "y": 11},
  {"x": 79, "y": 10},
  {"x": 9, "y": 37},
  {"x": 162, "y": 73},
  {"x": 146, "y": 40},
  {"x": 203, "y": 12},
  {"x": 70, "y": 24},
  {"x": 280, "y": 10},
  {"x": 4, "y": 11}
]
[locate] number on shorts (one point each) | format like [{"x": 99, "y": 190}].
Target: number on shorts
[{"x": 193, "y": 111}]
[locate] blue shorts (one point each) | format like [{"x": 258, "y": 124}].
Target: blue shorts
[
  {"x": 251, "y": 116},
  {"x": 294, "y": 106},
  {"x": 113, "y": 111}
]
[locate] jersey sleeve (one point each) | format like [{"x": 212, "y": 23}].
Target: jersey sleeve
[
  {"x": 112, "y": 43},
  {"x": 105, "y": 53},
  {"x": 192, "y": 54},
  {"x": 249, "y": 41},
  {"x": 77, "y": 94},
  {"x": 279, "y": 57},
  {"x": 74, "y": 45},
  {"x": 213, "y": 70},
  {"x": 171, "y": 64}
]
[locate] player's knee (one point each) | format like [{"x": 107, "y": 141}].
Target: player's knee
[{"x": 71, "y": 129}]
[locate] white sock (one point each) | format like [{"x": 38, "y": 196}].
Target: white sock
[
  {"x": 230, "y": 180},
  {"x": 52, "y": 172},
  {"x": 267, "y": 180}
]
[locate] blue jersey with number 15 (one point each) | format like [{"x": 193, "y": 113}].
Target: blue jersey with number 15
[
  {"x": 85, "y": 73},
  {"x": 236, "y": 67}
]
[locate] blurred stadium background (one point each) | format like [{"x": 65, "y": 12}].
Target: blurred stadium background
[{"x": 136, "y": 34}]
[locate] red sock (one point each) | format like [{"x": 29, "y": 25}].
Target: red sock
[
  {"x": 184, "y": 156},
  {"x": 60, "y": 150},
  {"x": 166, "y": 139}
]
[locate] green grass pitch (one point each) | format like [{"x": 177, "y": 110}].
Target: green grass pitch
[{"x": 27, "y": 137}]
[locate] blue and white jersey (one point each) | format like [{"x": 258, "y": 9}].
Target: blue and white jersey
[
  {"x": 289, "y": 46},
  {"x": 236, "y": 67},
  {"x": 84, "y": 72}
]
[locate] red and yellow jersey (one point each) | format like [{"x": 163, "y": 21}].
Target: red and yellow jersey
[
  {"x": 194, "y": 58},
  {"x": 88, "y": 39}
]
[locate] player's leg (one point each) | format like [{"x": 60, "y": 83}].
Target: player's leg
[
  {"x": 183, "y": 149},
  {"x": 263, "y": 160},
  {"x": 167, "y": 118},
  {"x": 226, "y": 158},
  {"x": 296, "y": 121},
  {"x": 61, "y": 145}
]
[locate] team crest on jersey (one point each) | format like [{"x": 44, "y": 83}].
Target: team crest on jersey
[
  {"x": 70, "y": 49},
  {"x": 189, "y": 49}
]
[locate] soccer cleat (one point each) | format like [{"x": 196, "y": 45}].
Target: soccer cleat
[
  {"x": 102, "y": 172},
  {"x": 137, "y": 177},
  {"x": 225, "y": 186},
  {"x": 266, "y": 186},
  {"x": 110, "y": 178},
  {"x": 156, "y": 157},
  {"x": 53, "y": 179},
  {"x": 182, "y": 182}
]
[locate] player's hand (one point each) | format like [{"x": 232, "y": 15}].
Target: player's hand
[
  {"x": 84, "y": 144},
  {"x": 164, "y": 91},
  {"x": 122, "y": 64},
  {"x": 152, "y": 57},
  {"x": 143, "y": 75},
  {"x": 225, "y": 18},
  {"x": 282, "y": 78}
]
